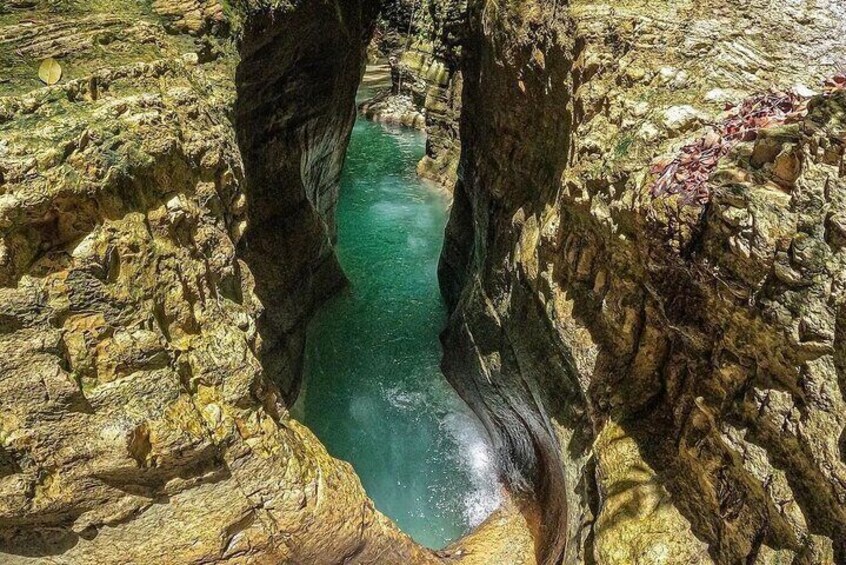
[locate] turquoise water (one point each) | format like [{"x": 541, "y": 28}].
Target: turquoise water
[{"x": 372, "y": 390}]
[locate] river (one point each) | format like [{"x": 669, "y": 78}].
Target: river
[{"x": 373, "y": 391}]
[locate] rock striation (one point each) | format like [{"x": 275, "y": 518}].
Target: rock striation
[
  {"x": 664, "y": 374},
  {"x": 434, "y": 63},
  {"x": 427, "y": 85},
  {"x": 166, "y": 226}
]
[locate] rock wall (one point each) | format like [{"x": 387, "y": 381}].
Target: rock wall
[
  {"x": 499, "y": 365},
  {"x": 428, "y": 82},
  {"x": 293, "y": 114},
  {"x": 431, "y": 70},
  {"x": 156, "y": 270},
  {"x": 663, "y": 370}
]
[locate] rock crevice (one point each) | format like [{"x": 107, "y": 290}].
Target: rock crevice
[{"x": 680, "y": 358}]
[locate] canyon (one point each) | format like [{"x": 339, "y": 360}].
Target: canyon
[{"x": 660, "y": 371}]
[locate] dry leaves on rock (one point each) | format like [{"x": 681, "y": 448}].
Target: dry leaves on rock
[
  {"x": 762, "y": 111},
  {"x": 50, "y": 71},
  {"x": 687, "y": 174},
  {"x": 837, "y": 82}
]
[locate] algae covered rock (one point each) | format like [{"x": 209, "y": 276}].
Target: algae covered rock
[
  {"x": 662, "y": 369},
  {"x": 143, "y": 415}
]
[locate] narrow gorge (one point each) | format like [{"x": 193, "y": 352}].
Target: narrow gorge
[
  {"x": 635, "y": 211},
  {"x": 372, "y": 391}
]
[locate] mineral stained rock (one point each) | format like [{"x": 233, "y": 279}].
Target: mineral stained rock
[
  {"x": 664, "y": 376},
  {"x": 156, "y": 272},
  {"x": 667, "y": 376}
]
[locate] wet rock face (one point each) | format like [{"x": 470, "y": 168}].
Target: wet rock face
[
  {"x": 155, "y": 272},
  {"x": 674, "y": 368},
  {"x": 495, "y": 337},
  {"x": 428, "y": 77},
  {"x": 294, "y": 114},
  {"x": 432, "y": 67}
]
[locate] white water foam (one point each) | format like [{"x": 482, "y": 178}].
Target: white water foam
[
  {"x": 474, "y": 456},
  {"x": 476, "y": 459},
  {"x": 404, "y": 399}
]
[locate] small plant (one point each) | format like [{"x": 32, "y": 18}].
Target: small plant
[{"x": 623, "y": 146}]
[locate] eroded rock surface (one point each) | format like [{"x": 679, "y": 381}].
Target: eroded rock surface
[
  {"x": 427, "y": 85},
  {"x": 673, "y": 368},
  {"x": 664, "y": 375},
  {"x": 156, "y": 271},
  {"x": 431, "y": 67}
]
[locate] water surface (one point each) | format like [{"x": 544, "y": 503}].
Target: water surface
[{"x": 373, "y": 391}]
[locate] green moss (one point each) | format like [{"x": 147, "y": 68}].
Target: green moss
[
  {"x": 623, "y": 146},
  {"x": 88, "y": 385}
]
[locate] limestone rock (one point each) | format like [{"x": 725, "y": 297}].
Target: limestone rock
[
  {"x": 148, "y": 338},
  {"x": 667, "y": 374},
  {"x": 396, "y": 110},
  {"x": 429, "y": 75}
]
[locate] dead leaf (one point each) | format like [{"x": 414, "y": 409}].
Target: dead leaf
[
  {"x": 688, "y": 173},
  {"x": 712, "y": 139},
  {"x": 50, "y": 71}
]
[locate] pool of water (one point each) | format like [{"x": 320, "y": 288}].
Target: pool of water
[{"x": 372, "y": 390}]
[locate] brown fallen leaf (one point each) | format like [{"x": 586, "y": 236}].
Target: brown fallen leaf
[
  {"x": 712, "y": 139},
  {"x": 50, "y": 71},
  {"x": 689, "y": 172}
]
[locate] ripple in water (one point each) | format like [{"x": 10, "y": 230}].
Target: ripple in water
[
  {"x": 373, "y": 391},
  {"x": 477, "y": 461}
]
